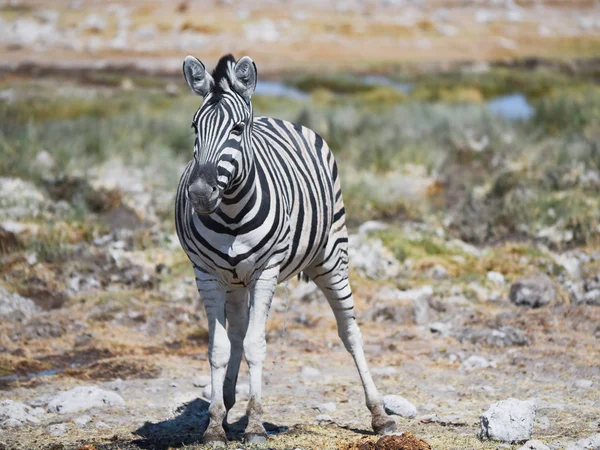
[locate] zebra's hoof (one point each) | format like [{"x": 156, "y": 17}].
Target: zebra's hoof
[
  {"x": 215, "y": 439},
  {"x": 255, "y": 438},
  {"x": 383, "y": 425}
]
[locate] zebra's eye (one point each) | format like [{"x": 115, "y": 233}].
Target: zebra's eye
[{"x": 238, "y": 129}]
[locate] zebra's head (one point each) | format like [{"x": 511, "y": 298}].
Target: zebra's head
[{"x": 223, "y": 125}]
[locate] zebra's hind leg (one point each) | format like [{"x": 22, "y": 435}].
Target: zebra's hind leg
[
  {"x": 331, "y": 276},
  {"x": 237, "y": 324}
]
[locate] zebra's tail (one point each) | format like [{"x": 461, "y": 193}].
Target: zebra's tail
[{"x": 303, "y": 277}]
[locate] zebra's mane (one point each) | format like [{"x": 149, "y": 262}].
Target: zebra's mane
[{"x": 223, "y": 76}]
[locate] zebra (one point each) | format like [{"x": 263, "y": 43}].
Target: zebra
[{"x": 259, "y": 203}]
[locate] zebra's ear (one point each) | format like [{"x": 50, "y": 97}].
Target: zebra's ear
[
  {"x": 245, "y": 77},
  {"x": 198, "y": 79}
]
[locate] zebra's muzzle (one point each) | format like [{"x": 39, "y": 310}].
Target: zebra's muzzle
[{"x": 205, "y": 197}]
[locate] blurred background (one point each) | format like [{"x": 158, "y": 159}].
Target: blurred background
[{"x": 467, "y": 133}]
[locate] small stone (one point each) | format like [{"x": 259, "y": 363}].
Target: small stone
[
  {"x": 533, "y": 292},
  {"x": 82, "y": 421},
  {"x": 399, "y": 406},
  {"x": 172, "y": 384},
  {"x": 82, "y": 398},
  {"x": 497, "y": 278},
  {"x": 508, "y": 421},
  {"x": 543, "y": 423},
  {"x": 310, "y": 373},
  {"x": 58, "y": 429},
  {"x": 438, "y": 272},
  {"x": 201, "y": 381},
  {"x": 326, "y": 407},
  {"x": 583, "y": 384},
  {"x": 534, "y": 445},
  {"x": 475, "y": 362},
  {"x": 443, "y": 329},
  {"x": 323, "y": 418}
]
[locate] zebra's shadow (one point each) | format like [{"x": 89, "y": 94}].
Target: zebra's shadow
[{"x": 188, "y": 427}]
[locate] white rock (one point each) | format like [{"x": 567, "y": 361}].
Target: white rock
[
  {"x": 44, "y": 161},
  {"x": 583, "y": 384},
  {"x": 323, "y": 418},
  {"x": 443, "y": 329},
  {"x": 508, "y": 421},
  {"x": 384, "y": 371},
  {"x": 82, "y": 398},
  {"x": 533, "y": 292},
  {"x": 326, "y": 407},
  {"x": 591, "y": 443},
  {"x": 58, "y": 429},
  {"x": 16, "y": 414},
  {"x": 496, "y": 277},
  {"x": 201, "y": 381},
  {"x": 310, "y": 373},
  {"x": 95, "y": 23},
  {"x": 398, "y": 405},
  {"x": 15, "y": 307},
  {"x": 82, "y": 421},
  {"x": 371, "y": 259},
  {"x": 206, "y": 392},
  {"x": 371, "y": 225},
  {"x": 543, "y": 423},
  {"x": 534, "y": 445},
  {"x": 438, "y": 272},
  {"x": 475, "y": 362}
]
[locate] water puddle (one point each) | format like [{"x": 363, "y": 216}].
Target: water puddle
[
  {"x": 380, "y": 80},
  {"x": 511, "y": 107},
  {"x": 278, "y": 89}
]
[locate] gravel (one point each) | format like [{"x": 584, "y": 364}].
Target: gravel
[{"x": 508, "y": 421}]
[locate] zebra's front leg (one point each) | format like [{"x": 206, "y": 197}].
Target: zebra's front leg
[
  {"x": 213, "y": 296},
  {"x": 237, "y": 324},
  {"x": 255, "y": 351}
]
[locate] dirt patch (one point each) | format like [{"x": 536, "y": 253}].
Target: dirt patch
[
  {"x": 116, "y": 368},
  {"x": 406, "y": 441}
]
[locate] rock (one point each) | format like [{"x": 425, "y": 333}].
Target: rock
[
  {"x": 591, "y": 297},
  {"x": 371, "y": 259},
  {"x": 534, "y": 445},
  {"x": 82, "y": 421},
  {"x": 399, "y": 406},
  {"x": 533, "y": 292},
  {"x": 16, "y": 414},
  {"x": 326, "y": 407},
  {"x": 508, "y": 421},
  {"x": 201, "y": 381},
  {"x": 207, "y": 391},
  {"x": 543, "y": 423},
  {"x": 58, "y": 429},
  {"x": 591, "y": 443},
  {"x": 43, "y": 161},
  {"x": 20, "y": 199},
  {"x": 583, "y": 384},
  {"x": 443, "y": 329},
  {"x": 323, "y": 418},
  {"x": 475, "y": 362},
  {"x": 172, "y": 384},
  {"x": 502, "y": 337},
  {"x": 15, "y": 307},
  {"x": 421, "y": 310},
  {"x": 310, "y": 373},
  {"x": 146, "y": 32},
  {"x": 82, "y": 398},
  {"x": 497, "y": 278},
  {"x": 438, "y": 272}
]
